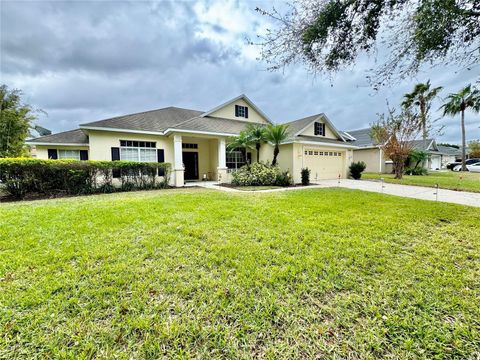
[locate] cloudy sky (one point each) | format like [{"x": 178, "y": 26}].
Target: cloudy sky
[{"x": 89, "y": 60}]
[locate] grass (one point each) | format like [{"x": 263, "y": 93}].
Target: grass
[
  {"x": 256, "y": 188},
  {"x": 452, "y": 180},
  {"x": 329, "y": 273}
]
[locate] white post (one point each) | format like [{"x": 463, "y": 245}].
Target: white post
[
  {"x": 222, "y": 160},
  {"x": 178, "y": 160}
]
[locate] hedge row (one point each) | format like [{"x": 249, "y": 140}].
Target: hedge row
[{"x": 25, "y": 176}]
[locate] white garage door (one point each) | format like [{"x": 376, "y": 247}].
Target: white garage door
[
  {"x": 436, "y": 163},
  {"x": 323, "y": 164}
]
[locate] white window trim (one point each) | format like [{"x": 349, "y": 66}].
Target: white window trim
[
  {"x": 138, "y": 153},
  {"x": 60, "y": 151}
]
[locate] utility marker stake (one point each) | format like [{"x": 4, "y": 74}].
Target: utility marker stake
[
  {"x": 383, "y": 186},
  {"x": 338, "y": 180},
  {"x": 436, "y": 192}
]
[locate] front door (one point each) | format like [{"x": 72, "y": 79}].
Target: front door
[{"x": 190, "y": 161}]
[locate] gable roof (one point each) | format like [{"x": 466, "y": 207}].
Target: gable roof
[
  {"x": 72, "y": 137},
  {"x": 296, "y": 127},
  {"x": 243, "y": 97},
  {"x": 425, "y": 145},
  {"x": 154, "y": 120}
]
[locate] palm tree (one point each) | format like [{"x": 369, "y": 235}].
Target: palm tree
[
  {"x": 466, "y": 98},
  {"x": 242, "y": 141},
  {"x": 276, "y": 134},
  {"x": 256, "y": 136},
  {"x": 422, "y": 97}
]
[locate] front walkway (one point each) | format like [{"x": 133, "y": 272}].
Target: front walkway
[{"x": 415, "y": 192}]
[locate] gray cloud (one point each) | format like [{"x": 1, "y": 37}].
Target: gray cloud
[{"x": 84, "y": 61}]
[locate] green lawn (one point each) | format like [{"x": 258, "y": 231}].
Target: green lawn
[
  {"x": 465, "y": 181},
  {"x": 256, "y": 188},
  {"x": 327, "y": 273}
]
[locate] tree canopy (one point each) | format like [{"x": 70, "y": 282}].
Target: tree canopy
[
  {"x": 15, "y": 122},
  {"x": 328, "y": 35}
]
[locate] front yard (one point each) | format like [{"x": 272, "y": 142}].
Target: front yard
[
  {"x": 452, "y": 180},
  {"x": 196, "y": 273}
]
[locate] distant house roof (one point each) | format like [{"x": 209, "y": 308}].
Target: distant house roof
[
  {"x": 425, "y": 145},
  {"x": 74, "y": 137},
  {"x": 449, "y": 150}
]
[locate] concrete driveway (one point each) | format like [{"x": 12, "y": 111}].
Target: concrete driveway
[{"x": 415, "y": 192}]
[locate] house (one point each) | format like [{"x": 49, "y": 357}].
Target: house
[
  {"x": 371, "y": 153},
  {"x": 195, "y": 142},
  {"x": 449, "y": 154}
]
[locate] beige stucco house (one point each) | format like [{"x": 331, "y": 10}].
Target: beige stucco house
[
  {"x": 195, "y": 142},
  {"x": 370, "y": 152}
]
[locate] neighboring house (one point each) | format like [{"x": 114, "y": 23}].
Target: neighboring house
[
  {"x": 195, "y": 142},
  {"x": 449, "y": 154},
  {"x": 371, "y": 153}
]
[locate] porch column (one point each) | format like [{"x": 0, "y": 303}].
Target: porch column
[
  {"x": 222, "y": 160},
  {"x": 178, "y": 161}
]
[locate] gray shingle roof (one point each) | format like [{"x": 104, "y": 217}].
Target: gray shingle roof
[
  {"x": 449, "y": 150},
  {"x": 422, "y": 145},
  {"x": 213, "y": 124},
  {"x": 66, "y": 137},
  {"x": 154, "y": 120},
  {"x": 363, "y": 138},
  {"x": 297, "y": 125}
]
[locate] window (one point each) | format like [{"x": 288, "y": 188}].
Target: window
[
  {"x": 143, "y": 151},
  {"x": 142, "y": 144},
  {"x": 235, "y": 159},
  {"x": 69, "y": 154},
  {"x": 189, "y": 146},
  {"x": 319, "y": 129},
  {"x": 241, "y": 111}
]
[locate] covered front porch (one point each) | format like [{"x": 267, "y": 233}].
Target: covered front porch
[{"x": 199, "y": 158}]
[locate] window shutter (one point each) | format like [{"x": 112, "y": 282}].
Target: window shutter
[
  {"x": 115, "y": 153},
  {"x": 83, "y": 154},
  {"x": 161, "y": 159},
  {"x": 246, "y": 112},
  {"x": 323, "y": 129},
  {"x": 52, "y": 154},
  {"x": 236, "y": 110},
  {"x": 115, "y": 157}
]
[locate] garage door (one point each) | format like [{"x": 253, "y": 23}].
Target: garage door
[{"x": 323, "y": 164}]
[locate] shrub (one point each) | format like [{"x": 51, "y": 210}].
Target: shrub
[
  {"x": 305, "y": 173},
  {"x": 356, "y": 169},
  {"x": 416, "y": 171},
  {"x": 283, "y": 179},
  {"x": 22, "y": 176},
  {"x": 260, "y": 174}
]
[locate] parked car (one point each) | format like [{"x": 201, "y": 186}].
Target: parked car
[
  {"x": 457, "y": 165},
  {"x": 474, "y": 167}
]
